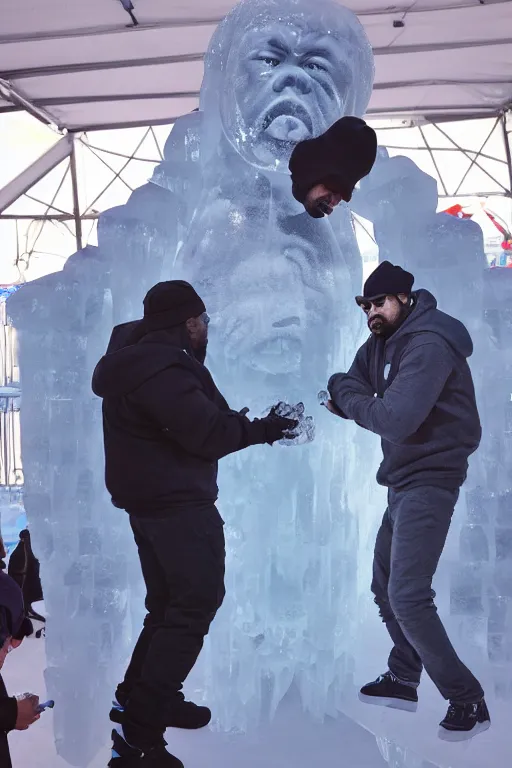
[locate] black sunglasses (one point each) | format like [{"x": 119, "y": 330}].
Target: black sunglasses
[{"x": 367, "y": 304}]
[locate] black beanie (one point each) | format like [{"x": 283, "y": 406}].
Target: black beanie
[
  {"x": 386, "y": 280},
  {"x": 339, "y": 158},
  {"x": 171, "y": 303}
]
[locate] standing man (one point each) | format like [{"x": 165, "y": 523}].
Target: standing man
[
  {"x": 411, "y": 384},
  {"x": 166, "y": 425}
]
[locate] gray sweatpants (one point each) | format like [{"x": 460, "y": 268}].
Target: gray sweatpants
[{"x": 407, "y": 551}]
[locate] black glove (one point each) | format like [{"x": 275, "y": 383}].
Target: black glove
[{"x": 276, "y": 426}]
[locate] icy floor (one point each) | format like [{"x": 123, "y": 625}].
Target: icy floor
[{"x": 292, "y": 740}]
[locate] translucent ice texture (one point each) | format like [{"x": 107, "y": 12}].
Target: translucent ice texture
[
  {"x": 279, "y": 286},
  {"x": 293, "y": 69},
  {"x": 304, "y": 432}
]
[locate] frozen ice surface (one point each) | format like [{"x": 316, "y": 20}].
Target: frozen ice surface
[
  {"x": 12, "y": 516},
  {"x": 292, "y": 739},
  {"x": 280, "y": 287}
]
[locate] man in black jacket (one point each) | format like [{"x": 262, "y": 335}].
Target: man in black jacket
[
  {"x": 15, "y": 713},
  {"x": 166, "y": 425},
  {"x": 411, "y": 384}
]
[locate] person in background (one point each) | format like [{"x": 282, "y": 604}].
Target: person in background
[
  {"x": 3, "y": 554},
  {"x": 411, "y": 384},
  {"x": 24, "y": 569},
  {"x": 15, "y": 712},
  {"x": 166, "y": 425}
]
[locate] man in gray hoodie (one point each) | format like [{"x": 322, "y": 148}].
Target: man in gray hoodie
[{"x": 411, "y": 384}]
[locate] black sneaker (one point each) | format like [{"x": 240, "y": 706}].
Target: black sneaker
[
  {"x": 463, "y": 721},
  {"x": 126, "y": 756},
  {"x": 185, "y": 714},
  {"x": 387, "y": 691}
]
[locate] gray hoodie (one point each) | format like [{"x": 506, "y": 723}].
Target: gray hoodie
[{"x": 415, "y": 390}]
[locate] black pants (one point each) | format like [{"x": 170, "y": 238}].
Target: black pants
[
  {"x": 182, "y": 558},
  {"x": 409, "y": 544}
]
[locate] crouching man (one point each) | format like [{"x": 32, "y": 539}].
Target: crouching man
[{"x": 411, "y": 384}]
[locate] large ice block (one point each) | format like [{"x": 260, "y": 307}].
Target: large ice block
[{"x": 280, "y": 287}]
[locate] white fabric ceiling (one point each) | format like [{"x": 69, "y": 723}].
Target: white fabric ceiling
[{"x": 79, "y": 61}]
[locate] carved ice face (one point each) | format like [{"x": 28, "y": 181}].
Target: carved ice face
[
  {"x": 276, "y": 298},
  {"x": 289, "y": 84}
]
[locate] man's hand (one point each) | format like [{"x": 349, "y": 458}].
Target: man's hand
[
  {"x": 332, "y": 408},
  {"x": 325, "y": 400},
  {"x": 27, "y": 711}
]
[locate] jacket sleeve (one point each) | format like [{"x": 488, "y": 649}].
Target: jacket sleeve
[
  {"x": 8, "y": 713},
  {"x": 175, "y": 401},
  {"x": 356, "y": 380},
  {"x": 421, "y": 377}
]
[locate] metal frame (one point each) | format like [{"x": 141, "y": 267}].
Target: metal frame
[
  {"x": 20, "y": 101},
  {"x": 68, "y": 144},
  {"x": 506, "y": 140},
  {"x": 76, "y": 202},
  {"x": 476, "y": 157},
  {"x": 67, "y": 148},
  {"x": 27, "y": 179},
  {"x": 35, "y": 172}
]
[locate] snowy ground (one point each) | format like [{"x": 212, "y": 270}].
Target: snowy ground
[{"x": 292, "y": 741}]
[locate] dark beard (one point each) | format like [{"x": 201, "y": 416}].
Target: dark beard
[
  {"x": 200, "y": 353},
  {"x": 387, "y": 329}
]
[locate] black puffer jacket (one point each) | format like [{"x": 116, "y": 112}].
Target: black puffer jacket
[{"x": 166, "y": 424}]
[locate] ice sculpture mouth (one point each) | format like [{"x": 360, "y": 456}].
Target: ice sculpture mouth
[
  {"x": 280, "y": 354},
  {"x": 288, "y": 121}
]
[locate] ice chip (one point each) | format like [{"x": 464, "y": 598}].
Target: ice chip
[{"x": 323, "y": 397}]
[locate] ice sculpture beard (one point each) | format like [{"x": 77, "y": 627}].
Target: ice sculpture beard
[
  {"x": 290, "y": 84},
  {"x": 270, "y": 337}
]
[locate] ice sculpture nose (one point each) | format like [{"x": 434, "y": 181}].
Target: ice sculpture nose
[
  {"x": 291, "y": 77},
  {"x": 286, "y": 322}
]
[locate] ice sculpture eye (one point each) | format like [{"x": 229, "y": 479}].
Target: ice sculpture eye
[
  {"x": 271, "y": 61},
  {"x": 315, "y": 65}
]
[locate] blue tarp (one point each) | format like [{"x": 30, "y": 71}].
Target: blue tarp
[{"x": 6, "y": 290}]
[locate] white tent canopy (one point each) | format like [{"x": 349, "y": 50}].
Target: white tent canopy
[{"x": 82, "y": 65}]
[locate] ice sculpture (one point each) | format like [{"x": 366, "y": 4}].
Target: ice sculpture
[{"x": 279, "y": 286}]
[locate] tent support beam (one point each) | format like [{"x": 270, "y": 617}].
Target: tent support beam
[
  {"x": 22, "y": 102},
  {"x": 432, "y": 157},
  {"x": 474, "y": 160},
  {"x": 46, "y": 216},
  {"x": 34, "y": 173},
  {"x": 76, "y": 200},
  {"x": 181, "y": 58},
  {"x": 508, "y": 153}
]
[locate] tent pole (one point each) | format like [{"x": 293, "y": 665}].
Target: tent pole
[
  {"x": 19, "y": 100},
  {"x": 508, "y": 154},
  {"x": 76, "y": 202}
]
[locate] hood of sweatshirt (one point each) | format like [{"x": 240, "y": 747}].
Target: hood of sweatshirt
[
  {"x": 133, "y": 357},
  {"x": 426, "y": 317}
]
